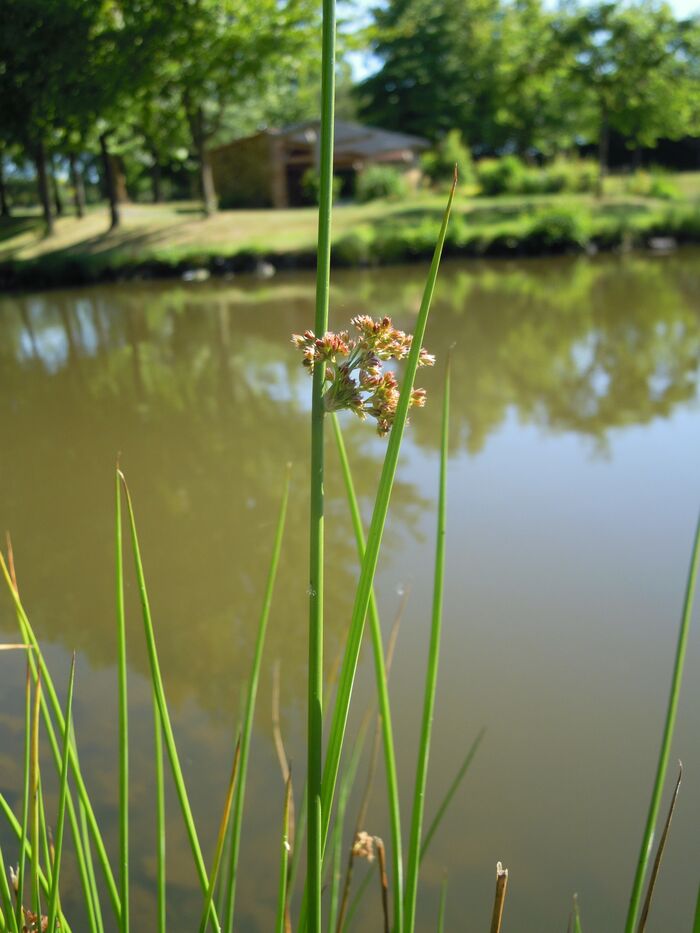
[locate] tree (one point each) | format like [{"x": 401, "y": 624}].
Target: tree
[
  {"x": 45, "y": 75},
  {"x": 438, "y": 68},
  {"x": 631, "y": 72},
  {"x": 225, "y": 52}
]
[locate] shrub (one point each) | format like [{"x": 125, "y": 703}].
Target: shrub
[
  {"x": 651, "y": 185},
  {"x": 438, "y": 163},
  {"x": 558, "y": 230},
  {"x": 509, "y": 175},
  {"x": 501, "y": 176},
  {"x": 573, "y": 176},
  {"x": 380, "y": 181}
]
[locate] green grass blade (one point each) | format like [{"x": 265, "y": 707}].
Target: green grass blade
[
  {"x": 62, "y": 792},
  {"x": 696, "y": 921},
  {"x": 284, "y": 859},
  {"x": 157, "y": 682},
  {"x": 221, "y": 839},
  {"x": 314, "y": 848},
  {"x": 25, "y": 794},
  {"x": 8, "y": 920},
  {"x": 239, "y": 800},
  {"x": 432, "y": 672},
  {"x": 665, "y": 750},
  {"x": 123, "y": 714},
  {"x": 34, "y": 866},
  {"x": 374, "y": 538},
  {"x": 382, "y": 690},
  {"x": 451, "y": 791},
  {"x": 16, "y": 828},
  {"x": 90, "y": 868},
  {"x": 441, "y": 909},
  {"x": 36, "y": 661},
  {"x": 44, "y": 835},
  {"x": 577, "y": 916},
  {"x": 161, "y": 906},
  {"x": 346, "y": 785}
]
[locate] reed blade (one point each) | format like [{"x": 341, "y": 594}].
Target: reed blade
[
  {"x": 374, "y": 538},
  {"x": 8, "y": 920},
  {"x": 414, "y": 845},
  {"x": 157, "y": 683},
  {"x": 659, "y": 854},
  {"x": 34, "y": 863},
  {"x": 25, "y": 794},
  {"x": 62, "y": 792},
  {"x": 382, "y": 686},
  {"x": 667, "y": 737},
  {"x": 123, "y": 713},
  {"x": 161, "y": 837},
  {"x": 50, "y": 708},
  {"x": 221, "y": 838},
  {"x": 451, "y": 791},
  {"x": 280, "y": 921},
  {"x": 251, "y": 699},
  {"x": 16, "y": 828}
]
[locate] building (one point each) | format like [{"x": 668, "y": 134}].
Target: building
[{"x": 266, "y": 170}]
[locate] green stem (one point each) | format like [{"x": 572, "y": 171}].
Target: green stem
[
  {"x": 239, "y": 799},
  {"x": 431, "y": 674},
  {"x": 160, "y": 818},
  {"x": 123, "y": 717},
  {"x": 382, "y": 691},
  {"x": 374, "y": 539},
  {"x": 315, "y": 698},
  {"x": 665, "y": 750},
  {"x": 63, "y": 788}
]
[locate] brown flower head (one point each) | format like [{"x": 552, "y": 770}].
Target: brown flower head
[{"x": 354, "y": 375}]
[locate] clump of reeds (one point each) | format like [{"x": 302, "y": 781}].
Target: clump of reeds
[{"x": 347, "y": 374}]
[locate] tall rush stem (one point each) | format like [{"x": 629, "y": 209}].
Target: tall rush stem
[{"x": 315, "y": 706}]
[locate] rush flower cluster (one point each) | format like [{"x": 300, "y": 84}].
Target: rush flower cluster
[{"x": 354, "y": 374}]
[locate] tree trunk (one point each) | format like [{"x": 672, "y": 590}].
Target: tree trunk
[
  {"x": 56, "y": 191},
  {"x": 195, "y": 118},
  {"x": 43, "y": 186},
  {"x": 206, "y": 181},
  {"x": 76, "y": 177},
  {"x": 603, "y": 145},
  {"x": 156, "y": 182},
  {"x": 4, "y": 203},
  {"x": 110, "y": 182}
]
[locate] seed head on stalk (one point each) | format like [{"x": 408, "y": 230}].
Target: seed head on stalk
[{"x": 355, "y": 377}]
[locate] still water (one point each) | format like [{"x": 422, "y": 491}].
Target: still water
[{"x": 574, "y": 484}]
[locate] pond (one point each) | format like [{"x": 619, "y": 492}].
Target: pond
[{"x": 574, "y": 486}]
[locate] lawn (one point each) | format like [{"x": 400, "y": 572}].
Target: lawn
[{"x": 170, "y": 235}]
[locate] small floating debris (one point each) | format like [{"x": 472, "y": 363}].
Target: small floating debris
[
  {"x": 196, "y": 275},
  {"x": 663, "y": 244},
  {"x": 264, "y": 270}
]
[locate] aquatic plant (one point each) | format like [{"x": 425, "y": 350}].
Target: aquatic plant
[{"x": 347, "y": 374}]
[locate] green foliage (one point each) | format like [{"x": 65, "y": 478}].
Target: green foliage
[
  {"x": 439, "y": 163},
  {"x": 509, "y": 175},
  {"x": 501, "y": 176},
  {"x": 380, "y": 181},
  {"x": 559, "y": 230},
  {"x": 652, "y": 184}
]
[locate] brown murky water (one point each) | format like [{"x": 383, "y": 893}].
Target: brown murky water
[{"x": 574, "y": 486}]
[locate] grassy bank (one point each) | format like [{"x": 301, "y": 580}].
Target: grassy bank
[{"x": 171, "y": 240}]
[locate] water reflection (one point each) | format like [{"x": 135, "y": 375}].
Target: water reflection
[{"x": 200, "y": 390}]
